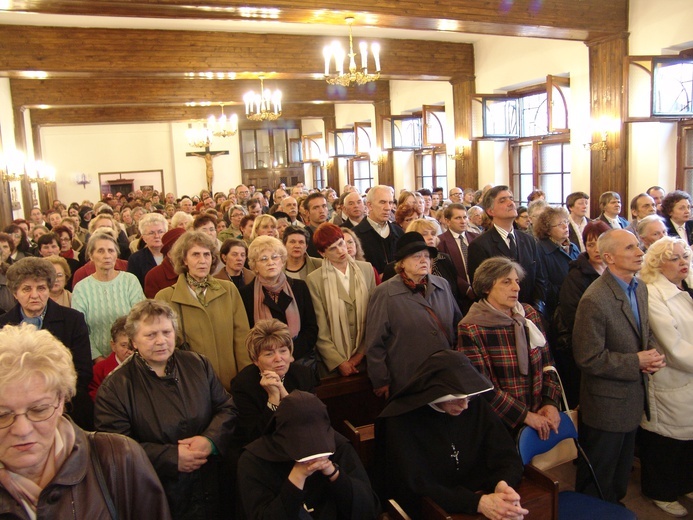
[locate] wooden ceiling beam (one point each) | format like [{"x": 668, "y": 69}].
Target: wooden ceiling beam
[
  {"x": 166, "y": 91},
  {"x": 39, "y": 51},
  {"x": 564, "y": 19},
  {"x": 134, "y": 114}
]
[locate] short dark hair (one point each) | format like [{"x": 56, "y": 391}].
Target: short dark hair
[
  {"x": 491, "y": 270},
  {"x": 232, "y": 242},
  {"x": 491, "y": 194},
  {"x": 46, "y": 239},
  {"x": 310, "y": 198},
  {"x": 118, "y": 327},
  {"x": 294, "y": 230},
  {"x": 607, "y": 197},
  {"x": 671, "y": 199},
  {"x": 651, "y": 188},
  {"x": 202, "y": 219},
  {"x": 447, "y": 212},
  {"x": 425, "y": 192},
  {"x": 634, "y": 201},
  {"x": 30, "y": 267},
  {"x": 571, "y": 199},
  {"x": 594, "y": 230}
]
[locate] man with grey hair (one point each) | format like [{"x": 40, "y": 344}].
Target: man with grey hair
[
  {"x": 616, "y": 353},
  {"x": 378, "y": 235},
  {"x": 353, "y": 210}
]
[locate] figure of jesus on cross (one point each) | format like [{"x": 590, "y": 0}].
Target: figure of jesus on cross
[{"x": 208, "y": 156}]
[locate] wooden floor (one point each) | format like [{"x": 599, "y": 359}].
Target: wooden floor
[{"x": 636, "y": 502}]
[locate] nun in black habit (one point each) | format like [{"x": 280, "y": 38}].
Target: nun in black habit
[
  {"x": 435, "y": 439},
  {"x": 301, "y": 468}
]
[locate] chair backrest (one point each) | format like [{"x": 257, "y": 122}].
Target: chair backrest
[{"x": 529, "y": 444}]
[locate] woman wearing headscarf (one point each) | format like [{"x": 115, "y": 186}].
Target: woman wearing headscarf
[
  {"x": 504, "y": 340},
  {"x": 410, "y": 316},
  {"x": 301, "y": 464},
  {"x": 274, "y": 295},
  {"x": 340, "y": 290},
  {"x": 436, "y": 439}
]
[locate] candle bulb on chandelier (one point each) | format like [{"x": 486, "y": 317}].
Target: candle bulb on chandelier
[
  {"x": 363, "y": 47},
  {"x": 375, "y": 47},
  {"x": 327, "y": 54}
]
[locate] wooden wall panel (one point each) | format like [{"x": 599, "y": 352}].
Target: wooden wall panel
[
  {"x": 467, "y": 172},
  {"x": 606, "y": 100},
  {"x": 117, "y": 52},
  {"x": 176, "y": 91}
]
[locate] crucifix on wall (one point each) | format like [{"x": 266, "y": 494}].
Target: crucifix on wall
[{"x": 208, "y": 156}]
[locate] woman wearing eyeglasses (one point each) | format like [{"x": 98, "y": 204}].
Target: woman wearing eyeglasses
[
  {"x": 555, "y": 252},
  {"x": 49, "y": 465},
  {"x": 212, "y": 319},
  {"x": 152, "y": 227},
  {"x": 274, "y": 295}
]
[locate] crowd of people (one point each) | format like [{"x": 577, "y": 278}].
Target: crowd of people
[{"x": 199, "y": 327}]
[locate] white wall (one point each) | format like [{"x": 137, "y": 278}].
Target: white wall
[
  {"x": 91, "y": 149},
  {"x": 654, "y": 28},
  {"x": 504, "y": 63},
  {"x": 6, "y": 116}
]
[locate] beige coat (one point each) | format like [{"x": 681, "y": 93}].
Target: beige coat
[
  {"x": 329, "y": 354},
  {"x": 217, "y": 331}
]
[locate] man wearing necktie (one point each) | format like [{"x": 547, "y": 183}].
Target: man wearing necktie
[
  {"x": 455, "y": 243},
  {"x": 501, "y": 240}
]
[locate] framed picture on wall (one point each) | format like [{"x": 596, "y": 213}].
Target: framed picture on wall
[{"x": 145, "y": 180}]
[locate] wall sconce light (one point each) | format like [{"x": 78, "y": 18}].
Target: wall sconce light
[
  {"x": 326, "y": 161},
  {"x": 377, "y": 157},
  {"x": 604, "y": 127},
  {"x": 13, "y": 166},
  {"x": 460, "y": 151}
]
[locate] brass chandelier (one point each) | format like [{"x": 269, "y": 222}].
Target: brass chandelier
[{"x": 352, "y": 75}]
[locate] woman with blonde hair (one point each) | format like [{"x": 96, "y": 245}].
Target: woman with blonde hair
[
  {"x": 666, "y": 438},
  {"x": 274, "y": 295},
  {"x": 51, "y": 468},
  {"x": 212, "y": 318},
  {"x": 264, "y": 225}
]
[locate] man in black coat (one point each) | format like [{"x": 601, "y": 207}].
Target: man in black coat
[
  {"x": 501, "y": 240},
  {"x": 69, "y": 326},
  {"x": 378, "y": 235}
]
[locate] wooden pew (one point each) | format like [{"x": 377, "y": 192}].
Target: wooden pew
[
  {"x": 538, "y": 492},
  {"x": 349, "y": 399}
]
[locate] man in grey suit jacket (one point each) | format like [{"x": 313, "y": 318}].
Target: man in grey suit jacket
[{"x": 615, "y": 351}]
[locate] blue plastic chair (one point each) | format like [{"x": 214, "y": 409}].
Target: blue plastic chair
[{"x": 571, "y": 505}]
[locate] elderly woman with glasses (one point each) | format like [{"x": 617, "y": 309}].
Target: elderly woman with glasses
[
  {"x": 410, "y": 316},
  {"x": 274, "y": 295},
  {"x": 172, "y": 403},
  {"x": 30, "y": 280},
  {"x": 504, "y": 340},
  {"x": 51, "y": 468},
  {"x": 58, "y": 293},
  {"x": 153, "y": 226},
  {"x": 340, "y": 290},
  {"x": 555, "y": 252},
  {"x": 473, "y": 470},
  {"x": 106, "y": 294},
  {"x": 212, "y": 318},
  {"x": 666, "y": 439}
]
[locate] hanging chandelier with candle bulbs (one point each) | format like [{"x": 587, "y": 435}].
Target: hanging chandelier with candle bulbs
[
  {"x": 198, "y": 136},
  {"x": 334, "y": 52},
  {"x": 223, "y": 126},
  {"x": 265, "y": 106}
]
